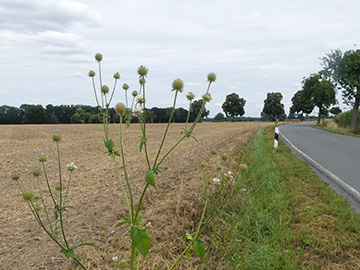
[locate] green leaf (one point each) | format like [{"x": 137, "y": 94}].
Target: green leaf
[
  {"x": 68, "y": 253},
  {"x": 150, "y": 178},
  {"x": 143, "y": 141},
  {"x": 141, "y": 239},
  {"x": 199, "y": 248},
  {"x": 120, "y": 223},
  {"x": 84, "y": 244}
]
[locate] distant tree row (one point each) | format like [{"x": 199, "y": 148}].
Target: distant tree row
[{"x": 66, "y": 114}]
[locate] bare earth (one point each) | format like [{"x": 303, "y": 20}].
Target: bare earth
[{"x": 95, "y": 194}]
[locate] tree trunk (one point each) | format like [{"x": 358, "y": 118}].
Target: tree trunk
[
  {"x": 355, "y": 110},
  {"x": 319, "y": 116}
]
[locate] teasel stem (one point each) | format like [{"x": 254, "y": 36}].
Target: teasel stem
[
  {"x": 124, "y": 169},
  {"x": 44, "y": 205},
  {"x": 166, "y": 131}
]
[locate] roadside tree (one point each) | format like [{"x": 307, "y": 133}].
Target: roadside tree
[
  {"x": 321, "y": 92},
  {"x": 301, "y": 104},
  {"x": 234, "y": 106},
  {"x": 273, "y": 106},
  {"x": 344, "y": 70}
]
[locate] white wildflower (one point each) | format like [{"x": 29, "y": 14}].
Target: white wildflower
[
  {"x": 115, "y": 258},
  {"x": 71, "y": 167},
  {"x": 216, "y": 181},
  {"x": 140, "y": 99},
  {"x": 137, "y": 110}
]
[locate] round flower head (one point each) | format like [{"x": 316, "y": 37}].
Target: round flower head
[
  {"x": 134, "y": 93},
  {"x": 58, "y": 187},
  {"x": 91, "y": 73},
  {"x": 98, "y": 57},
  {"x": 104, "y": 89},
  {"x": 213, "y": 152},
  {"x": 125, "y": 86},
  {"x": 142, "y": 71},
  {"x": 15, "y": 176},
  {"x": 42, "y": 158},
  {"x": 140, "y": 99},
  {"x": 207, "y": 97},
  {"x": 56, "y": 137},
  {"x": 71, "y": 167},
  {"x": 103, "y": 234},
  {"x": 36, "y": 172},
  {"x": 203, "y": 164},
  {"x": 27, "y": 195},
  {"x": 211, "y": 77},
  {"x": 142, "y": 81},
  {"x": 117, "y": 76},
  {"x": 36, "y": 196},
  {"x": 178, "y": 85},
  {"x": 120, "y": 108},
  {"x": 219, "y": 167},
  {"x": 224, "y": 156},
  {"x": 190, "y": 96},
  {"x": 243, "y": 168}
]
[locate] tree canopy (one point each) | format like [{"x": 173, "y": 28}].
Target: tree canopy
[
  {"x": 301, "y": 103},
  {"x": 344, "y": 70},
  {"x": 273, "y": 106},
  {"x": 234, "y": 105},
  {"x": 321, "y": 92}
]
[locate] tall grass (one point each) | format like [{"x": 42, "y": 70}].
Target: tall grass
[{"x": 287, "y": 218}]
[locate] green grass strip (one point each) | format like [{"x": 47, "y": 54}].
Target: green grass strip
[{"x": 287, "y": 218}]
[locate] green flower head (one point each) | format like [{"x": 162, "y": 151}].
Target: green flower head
[
  {"x": 104, "y": 89},
  {"x": 224, "y": 156},
  {"x": 42, "y": 158},
  {"x": 15, "y": 176},
  {"x": 178, "y": 85},
  {"x": 120, "y": 109},
  {"x": 207, "y": 97},
  {"x": 203, "y": 164},
  {"x": 98, "y": 57},
  {"x": 211, "y": 77},
  {"x": 56, "y": 137},
  {"x": 36, "y": 172},
  {"x": 243, "y": 168},
  {"x": 27, "y": 195},
  {"x": 190, "y": 96},
  {"x": 116, "y": 76},
  {"x": 134, "y": 93},
  {"x": 213, "y": 152},
  {"x": 142, "y": 81},
  {"x": 125, "y": 86},
  {"x": 91, "y": 73},
  {"x": 142, "y": 71},
  {"x": 219, "y": 167}
]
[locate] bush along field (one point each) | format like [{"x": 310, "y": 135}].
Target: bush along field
[{"x": 285, "y": 217}]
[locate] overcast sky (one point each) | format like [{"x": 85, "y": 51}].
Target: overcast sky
[{"x": 47, "y": 47}]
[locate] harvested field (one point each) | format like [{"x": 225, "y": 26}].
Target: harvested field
[{"x": 95, "y": 194}]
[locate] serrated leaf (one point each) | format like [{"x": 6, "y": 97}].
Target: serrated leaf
[
  {"x": 199, "y": 248},
  {"x": 150, "y": 178},
  {"x": 141, "y": 240}
]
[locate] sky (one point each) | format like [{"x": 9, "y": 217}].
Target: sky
[{"x": 47, "y": 48}]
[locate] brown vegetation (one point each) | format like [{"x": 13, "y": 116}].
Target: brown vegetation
[{"x": 95, "y": 194}]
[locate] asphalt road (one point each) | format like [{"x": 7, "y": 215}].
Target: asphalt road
[{"x": 335, "y": 157}]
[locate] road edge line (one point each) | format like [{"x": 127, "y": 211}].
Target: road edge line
[{"x": 350, "y": 190}]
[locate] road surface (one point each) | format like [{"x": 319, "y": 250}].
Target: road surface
[{"x": 335, "y": 157}]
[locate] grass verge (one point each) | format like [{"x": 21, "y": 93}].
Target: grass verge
[
  {"x": 335, "y": 128},
  {"x": 285, "y": 217}
]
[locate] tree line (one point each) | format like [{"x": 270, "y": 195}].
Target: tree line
[{"x": 67, "y": 114}]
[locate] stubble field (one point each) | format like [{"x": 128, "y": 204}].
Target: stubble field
[{"x": 95, "y": 194}]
